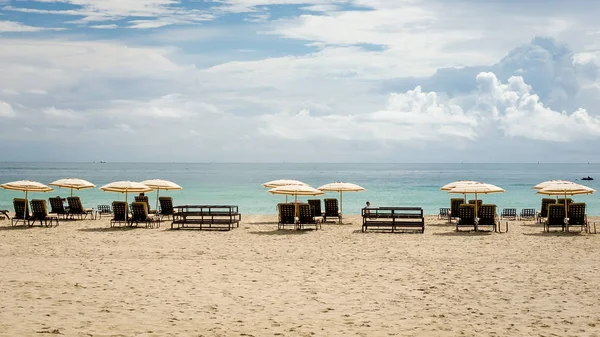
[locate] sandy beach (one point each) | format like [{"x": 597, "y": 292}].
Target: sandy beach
[{"x": 84, "y": 278}]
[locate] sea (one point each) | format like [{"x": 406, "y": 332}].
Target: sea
[{"x": 241, "y": 184}]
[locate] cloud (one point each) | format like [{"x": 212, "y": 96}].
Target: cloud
[
  {"x": 6, "y": 110},
  {"x": 17, "y": 27},
  {"x": 111, "y": 26}
]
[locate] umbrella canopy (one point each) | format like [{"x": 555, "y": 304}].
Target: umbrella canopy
[
  {"x": 458, "y": 183},
  {"x": 341, "y": 187},
  {"x": 565, "y": 188},
  {"x": 73, "y": 184},
  {"x": 26, "y": 186},
  {"x": 159, "y": 184},
  {"x": 282, "y": 182},
  {"x": 480, "y": 188},
  {"x": 295, "y": 190},
  {"x": 125, "y": 187},
  {"x": 550, "y": 182}
]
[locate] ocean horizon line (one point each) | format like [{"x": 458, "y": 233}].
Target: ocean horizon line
[{"x": 299, "y": 162}]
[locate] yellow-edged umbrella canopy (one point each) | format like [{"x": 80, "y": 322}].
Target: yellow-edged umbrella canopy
[
  {"x": 26, "y": 186},
  {"x": 458, "y": 183},
  {"x": 72, "y": 184},
  {"x": 341, "y": 187},
  {"x": 480, "y": 188},
  {"x": 550, "y": 182},
  {"x": 125, "y": 187},
  {"x": 296, "y": 190},
  {"x": 282, "y": 182},
  {"x": 565, "y": 188},
  {"x": 159, "y": 184}
]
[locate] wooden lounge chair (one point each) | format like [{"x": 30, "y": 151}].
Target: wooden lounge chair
[
  {"x": 58, "y": 207},
  {"x": 487, "y": 217},
  {"x": 286, "y": 215},
  {"x": 479, "y": 202},
  {"x": 543, "y": 213},
  {"x": 454, "y": 204},
  {"x": 331, "y": 209},
  {"x": 444, "y": 213},
  {"x": 528, "y": 214},
  {"x": 577, "y": 216},
  {"x": 76, "y": 208},
  {"x": 556, "y": 217},
  {"x": 120, "y": 213},
  {"x": 315, "y": 207},
  {"x": 21, "y": 212},
  {"x": 139, "y": 213},
  {"x": 466, "y": 216},
  {"x": 144, "y": 198},
  {"x": 166, "y": 207},
  {"x": 305, "y": 217},
  {"x": 103, "y": 210},
  {"x": 39, "y": 212},
  {"x": 509, "y": 213}
]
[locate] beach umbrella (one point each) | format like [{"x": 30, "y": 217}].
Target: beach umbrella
[
  {"x": 73, "y": 184},
  {"x": 480, "y": 188},
  {"x": 458, "y": 183},
  {"x": 565, "y": 188},
  {"x": 296, "y": 190},
  {"x": 341, "y": 187},
  {"x": 26, "y": 186},
  {"x": 550, "y": 182},
  {"x": 125, "y": 187},
  {"x": 282, "y": 182},
  {"x": 159, "y": 184}
]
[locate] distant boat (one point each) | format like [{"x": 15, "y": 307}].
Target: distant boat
[
  {"x": 102, "y": 162},
  {"x": 587, "y": 178}
]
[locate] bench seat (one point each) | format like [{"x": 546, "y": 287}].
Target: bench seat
[
  {"x": 220, "y": 217},
  {"x": 393, "y": 218}
]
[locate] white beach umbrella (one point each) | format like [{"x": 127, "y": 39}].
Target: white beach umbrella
[
  {"x": 296, "y": 190},
  {"x": 72, "y": 184},
  {"x": 458, "y": 183},
  {"x": 341, "y": 187},
  {"x": 159, "y": 184},
  {"x": 565, "y": 188},
  {"x": 550, "y": 182},
  {"x": 125, "y": 187},
  {"x": 282, "y": 182},
  {"x": 26, "y": 186},
  {"x": 480, "y": 188}
]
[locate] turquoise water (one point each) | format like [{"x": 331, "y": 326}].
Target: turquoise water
[{"x": 240, "y": 184}]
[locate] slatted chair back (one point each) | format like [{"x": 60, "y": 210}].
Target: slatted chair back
[
  {"x": 509, "y": 213},
  {"x": 454, "y": 205},
  {"x": 119, "y": 211},
  {"x": 331, "y": 207},
  {"x": 487, "y": 215},
  {"x": 444, "y": 212},
  {"x": 57, "y": 206},
  {"x": 577, "y": 213},
  {"x": 466, "y": 213},
  {"x": 143, "y": 198},
  {"x": 556, "y": 215},
  {"x": 315, "y": 206},
  {"x": 304, "y": 214},
  {"x": 39, "y": 211},
  {"x": 166, "y": 206},
  {"x": 286, "y": 213},
  {"x": 104, "y": 209},
  {"x": 544, "y": 209},
  {"x": 528, "y": 213},
  {"x": 139, "y": 211},
  {"x": 75, "y": 205},
  {"x": 21, "y": 209}
]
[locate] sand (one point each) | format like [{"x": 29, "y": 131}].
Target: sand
[{"x": 83, "y": 278}]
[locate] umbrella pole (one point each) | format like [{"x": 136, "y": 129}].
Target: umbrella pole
[
  {"x": 71, "y": 191},
  {"x": 156, "y": 207},
  {"x": 341, "y": 207}
]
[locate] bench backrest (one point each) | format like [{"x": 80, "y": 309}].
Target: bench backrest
[{"x": 399, "y": 212}]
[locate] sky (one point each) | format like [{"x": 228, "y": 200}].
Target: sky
[{"x": 300, "y": 80}]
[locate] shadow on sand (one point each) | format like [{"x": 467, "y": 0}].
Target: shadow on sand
[
  {"x": 283, "y": 232},
  {"x": 109, "y": 229},
  {"x": 465, "y": 233}
]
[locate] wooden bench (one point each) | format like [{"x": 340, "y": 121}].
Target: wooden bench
[
  {"x": 219, "y": 217},
  {"x": 393, "y": 218}
]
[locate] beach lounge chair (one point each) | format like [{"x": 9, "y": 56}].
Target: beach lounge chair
[
  {"x": 103, "y": 210},
  {"x": 39, "y": 212},
  {"x": 479, "y": 202},
  {"x": 166, "y": 207},
  {"x": 543, "y": 213},
  {"x": 286, "y": 215},
  {"x": 487, "y": 216},
  {"x": 144, "y": 198},
  {"x": 466, "y": 216},
  {"x": 21, "y": 212},
  {"x": 509, "y": 213},
  {"x": 315, "y": 207},
  {"x": 528, "y": 214},
  {"x": 454, "y": 204},
  {"x": 58, "y": 207},
  {"x": 305, "y": 217},
  {"x": 556, "y": 217},
  {"x": 331, "y": 209},
  {"x": 444, "y": 213},
  {"x": 120, "y": 213},
  {"x": 76, "y": 208},
  {"x": 139, "y": 213},
  {"x": 577, "y": 216}
]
